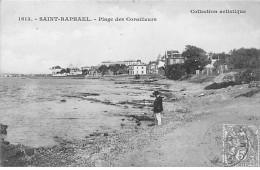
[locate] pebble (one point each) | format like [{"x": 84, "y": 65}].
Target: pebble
[
  {"x": 29, "y": 151},
  {"x": 63, "y": 161}
]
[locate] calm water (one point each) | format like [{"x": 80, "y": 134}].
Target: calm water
[{"x": 35, "y": 115}]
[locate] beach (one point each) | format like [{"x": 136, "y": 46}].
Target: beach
[{"x": 122, "y": 131}]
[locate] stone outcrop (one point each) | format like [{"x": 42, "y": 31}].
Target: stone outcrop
[
  {"x": 3, "y": 129},
  {"x": 10, "y": 154}
]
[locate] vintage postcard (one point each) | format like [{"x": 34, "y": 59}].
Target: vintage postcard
[{"x": 133, "y": 83}]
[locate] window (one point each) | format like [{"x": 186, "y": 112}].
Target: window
[
  {"x": 142, "y": 67},
  {"x": 142, "y": 72},
  {"x": 136, "y": 72}
]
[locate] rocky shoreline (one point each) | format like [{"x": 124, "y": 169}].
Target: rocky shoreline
[
  {"x": 11, "y": 155},
  {"x": 104, "y": 149}
]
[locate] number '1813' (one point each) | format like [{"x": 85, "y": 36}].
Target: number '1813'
[{"x": 24, "y": 19}]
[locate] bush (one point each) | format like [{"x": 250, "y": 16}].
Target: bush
[
  {"x": 176, "y": 71},
  {"x": 249, "y": 94},
  {"x": 240, "y": 78},
  {"x": 137, "y": 76},
  {"x": 245, "y": 76},
  {"x": 220, "y": 85}
]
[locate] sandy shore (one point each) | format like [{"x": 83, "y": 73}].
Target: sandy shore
[{"x": 189, "y": 113}]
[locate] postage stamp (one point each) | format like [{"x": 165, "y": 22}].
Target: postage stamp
[{"x": 240, "y": 145}]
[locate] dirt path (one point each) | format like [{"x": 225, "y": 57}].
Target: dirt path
[{"x": 190, "y": 144}]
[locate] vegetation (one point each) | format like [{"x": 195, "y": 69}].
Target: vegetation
[
  {"x": 220, "y": 85},
  {"x": 176, "y": 71},
  {"x": 245, "y": 76},
  {"x": 137, "y": 76},
  {"x": 116, "y": 69},
  {"x": 240, "y": 78},
  {"x": 249, "y": 94},
  {"x": 85, "y": 72},
  {"x": 196, "y": 59},
  {"x": 244, "y": 58},
  {"x": 67, "y": 70}
]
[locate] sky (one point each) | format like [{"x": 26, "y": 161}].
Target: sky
[{"x": 36, "y": 46}]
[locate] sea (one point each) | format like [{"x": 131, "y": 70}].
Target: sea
[{"x": 39, "y": 110}]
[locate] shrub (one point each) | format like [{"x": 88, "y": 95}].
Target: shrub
[
  {"x": 137, "y": 76},
  {"x": 220, "y": 85},
  {"x": 176, "y": 71},
  {"x": 249, "y": 94},
  {"x": 245, "y": 76},
  {"x": 240, "y": 78}
]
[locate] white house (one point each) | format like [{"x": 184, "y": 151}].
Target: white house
[
  {"x": 75, "y": 71},
  {"x": 55, "y": 71},
  {"x": 137, "y": 69}
]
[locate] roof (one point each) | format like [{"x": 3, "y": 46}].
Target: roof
[
  {"x": 209, "y": 66},
  {"x": 56, "y": 67},
  {"x": 153, "y": 62},
  {"x": 138, "y": 65},
  {"x": 173, "y": 51}
]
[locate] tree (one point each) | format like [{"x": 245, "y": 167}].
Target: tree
[
  {"x": 117, "y": 68},
  {"x": 68, "y": 70},
  {"x": 176, "y": 71},
  {"x": 85, "y": 71},
  {"x": 222, "y": 58},
  {"x": 123, "y": 69},
  {"x": 196, "y": 59},
  {"x": 103, "y": 69},
  {"x": 245, "y": 58},
  {"x": 63, "y": 71}
]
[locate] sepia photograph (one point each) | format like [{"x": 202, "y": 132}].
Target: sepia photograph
[{"x": 132, "y": 83}]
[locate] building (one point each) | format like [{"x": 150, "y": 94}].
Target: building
[
  {"x": 55, "y": 71},
  {"x": 132, "y": 62},
  {"x": 137, "y": 69},
  {"x": 106, "y": 63},
  {"x": 126, "y": 62},
  {"x": 75, "y": 71},
  {"x": 152, "y": 67},
  {"x": 85, "y": 70},
  {"x": 94, "y": 71},
  {"x": 173, "y": 57}
]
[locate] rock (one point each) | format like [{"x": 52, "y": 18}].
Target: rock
[
  {"x": 202, "y": 94},
  {"x": 3, "y": 129},
  {"x": 105, "y": 134},
  {"x": 4, "y": 142},
  {"x": 101, "y": 163},
  {"x": 14, "y": 152},
  {"x": 29, "y": 151},
  {"x": 63, "y": 100},
  {"x": 63, "y": 161},
  {"x": 89, "y": 94},
  {"x": 123, "y": 119},
  {"x": 95, "y": 134}
]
